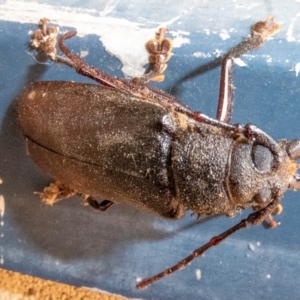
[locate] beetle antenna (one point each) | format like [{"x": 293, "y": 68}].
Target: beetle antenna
[{"x": 254, "y": 218}]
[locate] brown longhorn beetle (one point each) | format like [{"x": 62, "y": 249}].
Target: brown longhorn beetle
[{"x": 123, "y": 141}]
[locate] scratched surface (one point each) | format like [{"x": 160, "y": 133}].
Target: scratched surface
[{"x": 75, "y": 244}]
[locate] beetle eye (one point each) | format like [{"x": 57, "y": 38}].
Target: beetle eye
[
  {"x": 263, "y": 196},
  {"x": 262, "y": 158}
]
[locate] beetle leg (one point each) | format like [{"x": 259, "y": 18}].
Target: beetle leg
[
  {"x": 134, "y": 87},
  {"x": 225, "y": 103},
  {"x": 55, "y": 192},
  {"x": 260, "y": 31},
  {"x": 254, "y": 218},
  {"x": 45, "y": 40}
]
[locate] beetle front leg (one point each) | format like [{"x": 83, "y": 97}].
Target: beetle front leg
[
  {"x": 45, "y": 40},
  {"x": 259, "y": 32}
]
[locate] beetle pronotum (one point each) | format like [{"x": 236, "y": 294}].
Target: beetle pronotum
[{"x": 125, "y": 141}]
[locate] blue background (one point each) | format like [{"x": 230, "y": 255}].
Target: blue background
[{"x": 77, "y": 245}]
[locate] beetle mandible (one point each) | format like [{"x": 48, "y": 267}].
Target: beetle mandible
[{"x": 124, "y": 141}]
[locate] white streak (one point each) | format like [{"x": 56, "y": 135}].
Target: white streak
[
  {"x": 178, "y": 39},
  {"x": 201, "y": 54},
  {"x": 289, "y": 33},
  {"x": 198, "y": 274},
  {"x": 2, "y": 206},
  {"x": 239, "y": 62},
  {"x": 84, "y": 53},
  {"x": 224, "y": 35},
  {"x": 296, "y": 69}
]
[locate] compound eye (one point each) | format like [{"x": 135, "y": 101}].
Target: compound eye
[
  {"x": 262, "y": 158},
  {"x": 263, "y": 196}
]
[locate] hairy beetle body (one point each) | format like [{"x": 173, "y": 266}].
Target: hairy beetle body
[
  {"x": 125, "y": 141},
  {"x": 116, "y": 147}
]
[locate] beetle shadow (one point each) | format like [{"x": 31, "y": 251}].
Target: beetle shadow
[{"x": 176, "y": 87}]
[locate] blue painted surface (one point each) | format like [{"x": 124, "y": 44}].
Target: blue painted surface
[{"x": 76, "y": 245}]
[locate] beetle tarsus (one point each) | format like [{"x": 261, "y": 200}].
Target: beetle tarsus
[
  {"x": 266, "y": 28},
  {"x": 271, "y": 222},
  {"x": 55, "y": 192},
  {"x": 159, "y": 53},
  {"x": 45, "y": 38}
]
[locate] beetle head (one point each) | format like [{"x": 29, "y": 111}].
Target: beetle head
[{"x": 254, "y": 175}]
